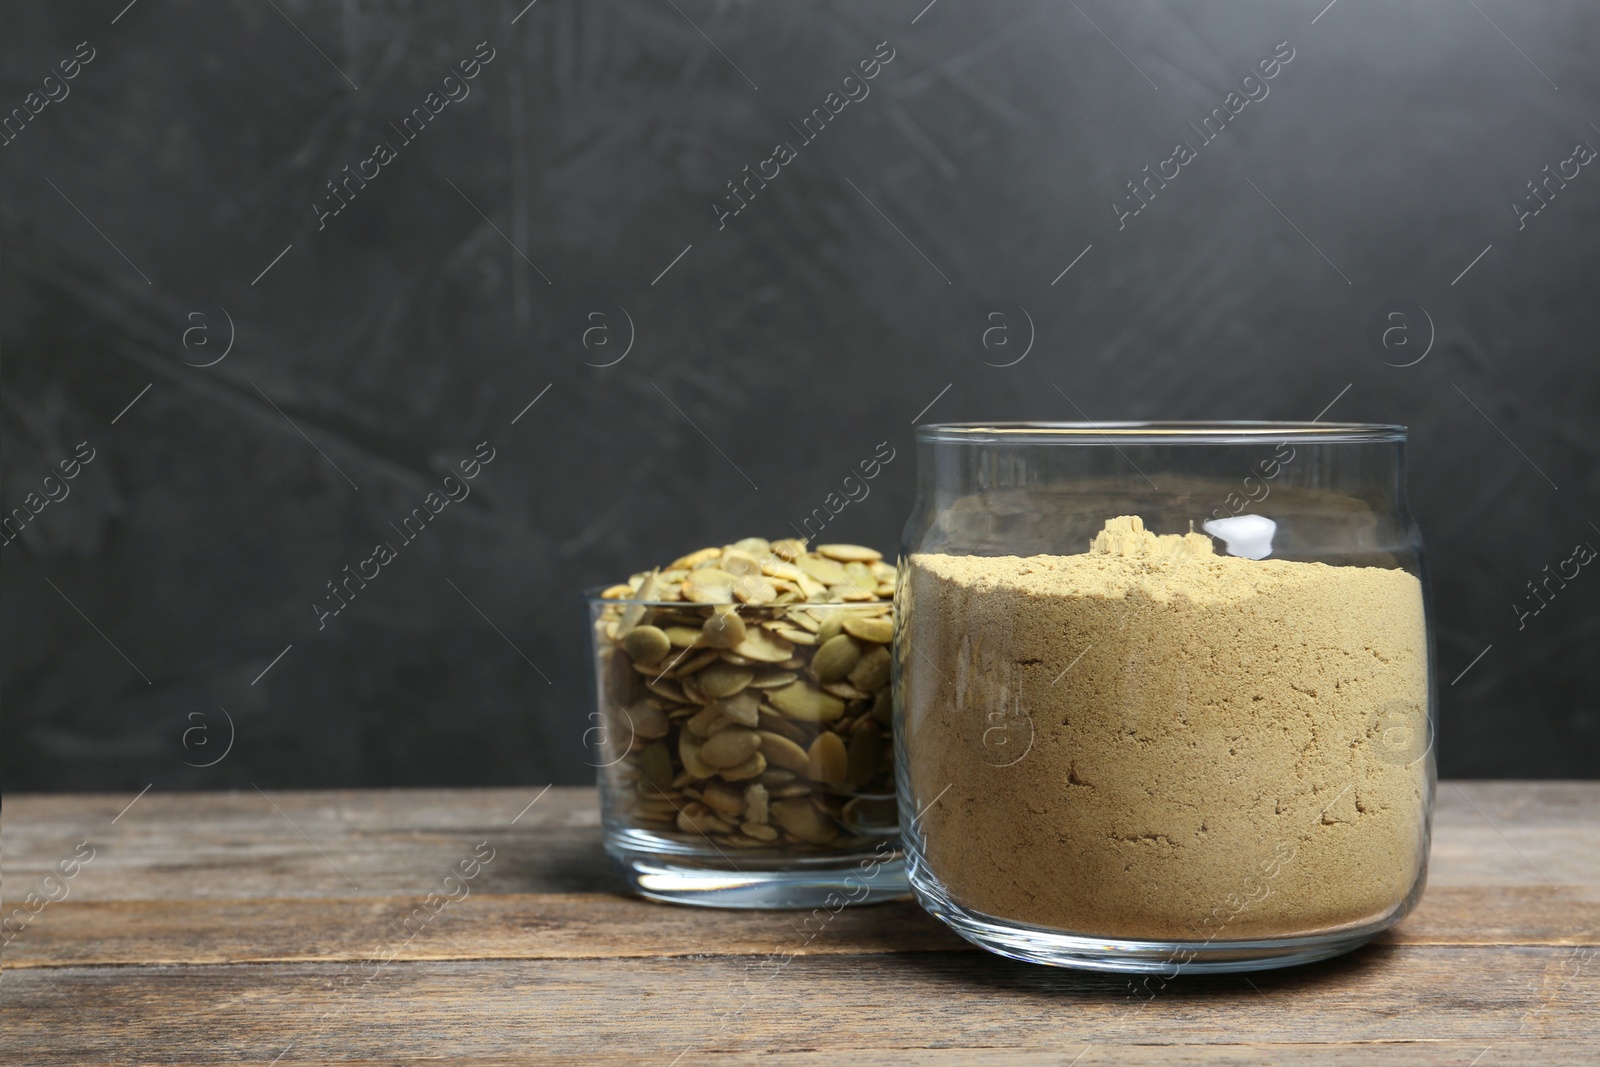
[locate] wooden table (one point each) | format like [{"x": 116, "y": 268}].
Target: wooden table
[{"x": 261, "y": 928}]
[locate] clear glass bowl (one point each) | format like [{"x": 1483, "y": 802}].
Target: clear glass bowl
[
  {"x": 1210, "y": 750},
  {"x": 684, "y": 826}
]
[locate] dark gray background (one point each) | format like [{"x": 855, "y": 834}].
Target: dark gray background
[{"x": 193, "y": 146}]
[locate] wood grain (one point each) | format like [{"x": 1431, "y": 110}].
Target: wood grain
[
  {"x": 653, "y": 1010},
  {"x": 236, "y": 926},
  {"x": 598, "y": 925}
]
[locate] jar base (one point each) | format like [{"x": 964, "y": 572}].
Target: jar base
[
  {"x": 1037, "y": 944},
  {"x": 740, "y": 881}
]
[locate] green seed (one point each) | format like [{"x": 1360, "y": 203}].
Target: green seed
[
  {"x": 723, "y": 680},
  {"x": 804, "y": 701},
  {"x": 872, "y": 672},
  {"x": 835, "y": 659},
  {"x": 646, "y": 644},
  {"x": 878, "y": 630},
  {"x": 827, "y": 761},
  {"x": 731, "y": 746},
  {"x": 797, "y": 816},
  {"x": 723, "y": 630},
  {"x": 656, "y": 763},
  {"x": 866, "y": 751}
]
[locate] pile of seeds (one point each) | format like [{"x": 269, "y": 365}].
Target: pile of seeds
[{"x": 748, "y": 702}]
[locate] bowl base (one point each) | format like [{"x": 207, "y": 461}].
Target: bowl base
[{"x": 714, "y": 881}]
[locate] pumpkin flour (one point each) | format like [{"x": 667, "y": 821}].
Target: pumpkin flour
[{"x": 1206, "y": 736}]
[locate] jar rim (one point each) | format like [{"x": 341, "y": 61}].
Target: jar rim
[
  {"x": 592, "y": 596},
  {"x": 1243, "y": 431}
]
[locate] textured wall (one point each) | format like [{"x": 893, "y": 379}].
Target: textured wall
[{"x": 171, "y": 202}]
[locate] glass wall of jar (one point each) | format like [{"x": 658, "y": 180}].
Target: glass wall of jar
[
  {"x": 1164, "y": 694},
  {"x": 744, "y": 751}
]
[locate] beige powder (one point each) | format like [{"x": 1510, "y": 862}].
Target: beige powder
[{"x": 1152, "y": 741}]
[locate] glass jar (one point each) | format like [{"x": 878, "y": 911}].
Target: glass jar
[
  {"x": 806, "y": 818},
  {"x": 1164, "y": 691}
]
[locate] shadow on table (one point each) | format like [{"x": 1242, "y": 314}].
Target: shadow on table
[
  {"x": 562, "y": 865},
  {"x": 1008, "y": 975}
]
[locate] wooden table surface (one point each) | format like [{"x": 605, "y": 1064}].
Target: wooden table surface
[{"x": 261, "y": 928}]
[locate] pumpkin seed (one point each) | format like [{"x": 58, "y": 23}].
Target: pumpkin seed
[
  {"x": 783, "y": 752},
  {"x": 722, "y": 679},
  {"x": 771, "y": 679},
  {"x": 755, "y": 590},
  {"x": 646, "y": 644},
  {"x": 872, "y": 672},
  {"x": 789, "y": 548},
  {"x": 633, "y": 613},
  {"x": 799, "y": 818},
  {"x": 723, "y": 630},
  {"x": 713, "y": 636},
  {"x": 739, "y": 563},
  {"x": 845, "y": 691},
  {"x": 850, "y": 553},
  {"x": 786, "y": 571},
  {"x": 763, "y": 647},
  {"x": 694, "y": 663},
  {"x": 750, "y": 768},
  {"x": 755, "y": 546},
  {"x": 828, "y": 761},
  {"x": 866, "y": 752},
  {"x": 709, "y": 585},
  {"x": 691, "y": 692},
  {"x": 656, "y": 762},
  {"x": 689, "y": 756},
  {"x": 804, "y": 620},
  {"x": 825, "y": 571},
  {"x": 835, "y": 658},
  {"x": 802, "y": 700},
  {"x": 869, "y": 813},
  {"x": 701, "y": 822},
  {"x": 694, "y": 559},
  {"x": 773, "y": 721},
  {"x": 658, "y": 812},
  {"x": 666, "y": 687},
  {"x": 723, "y": 798},
  {"x": 755, "y": 803},
  {"x": 758, "y": 831},
  {"x": 647, "y": 722},
  {"x": 879, "y": 630},
  {"x": 683, "y": 636},
  {"x": 707, "y": 721},
  {"x": 828, "y": 804},
  {"x": 743, "y": 708},
  {"x": 731, "y": 746}
]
